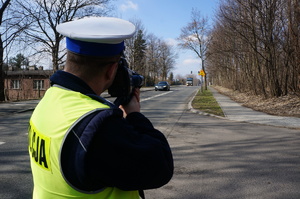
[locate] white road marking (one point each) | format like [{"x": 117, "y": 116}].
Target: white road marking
[
  {"x": 2, "y": 143},
  {"x": 149, "y": 98}
]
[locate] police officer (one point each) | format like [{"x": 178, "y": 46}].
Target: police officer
[{"x": 82, "y": 146}]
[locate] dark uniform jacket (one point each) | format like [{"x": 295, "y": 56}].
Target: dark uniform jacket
[{"x": 129, "y": 153}]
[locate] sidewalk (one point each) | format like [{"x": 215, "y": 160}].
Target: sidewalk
[
  {"x": 236, "y": 112},
  {"x": 7, "y": 108}
]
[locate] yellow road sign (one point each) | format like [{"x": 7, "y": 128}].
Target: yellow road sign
[{"x": 202, "y": 73}]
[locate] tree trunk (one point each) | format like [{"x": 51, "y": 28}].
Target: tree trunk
[{"x": 2, "y": 94}]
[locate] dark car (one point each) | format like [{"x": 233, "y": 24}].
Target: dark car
[{"x": 162, "y": 86}]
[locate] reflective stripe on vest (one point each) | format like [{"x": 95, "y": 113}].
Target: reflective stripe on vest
[{"x": 56, "y": 113}]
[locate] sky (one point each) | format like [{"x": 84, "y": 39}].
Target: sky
[{"x": 164, "y": 19}]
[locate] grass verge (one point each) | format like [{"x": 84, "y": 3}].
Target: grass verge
[{"x": 205, "y": 101}]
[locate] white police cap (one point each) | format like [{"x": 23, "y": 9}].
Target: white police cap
[{"x": 96, "y": 36}]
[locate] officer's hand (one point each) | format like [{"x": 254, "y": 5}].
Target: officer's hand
[{"x": 133, "y": 105}]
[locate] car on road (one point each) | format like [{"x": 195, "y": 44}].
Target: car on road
[{"x": 162, "y": 86}]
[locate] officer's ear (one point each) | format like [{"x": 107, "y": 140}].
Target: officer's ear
[{"x": 111, "y": 70}]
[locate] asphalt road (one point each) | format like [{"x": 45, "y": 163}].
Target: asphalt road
[
  {"x": 15, "y": 174},
  {"x": 214, "y": 158}
]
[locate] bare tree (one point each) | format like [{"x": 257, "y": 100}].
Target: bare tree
[
  {"x": 152, "y": 58},
  {"x": 292, "y": 44},
  {"x": 195, "y": 37},
  {"x": 129, "y": 43},
  {"x": 166, "y": 59},
  {"x": 2, "y": 9},
  {"x": 43, "y": 17},
  {"x": 149, "y": 55},
  {"x": 255, "y": 46},
  {"x": 160, "y": 59},
  {"x": 10, "y": 31}
]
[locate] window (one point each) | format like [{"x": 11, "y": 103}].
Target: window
[
  {"x": 15, "y": 84},
  {"x": 38, "y": 84}
]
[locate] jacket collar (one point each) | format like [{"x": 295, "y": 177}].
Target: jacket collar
[
  {"x": 74, "y": 83},
  {"x": 71, "y": 82}
]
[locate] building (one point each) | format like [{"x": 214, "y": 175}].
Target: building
[{"x": 26, "y": 84}]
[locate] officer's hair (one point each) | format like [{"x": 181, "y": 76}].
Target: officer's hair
[{"x": 89, "y": 65}]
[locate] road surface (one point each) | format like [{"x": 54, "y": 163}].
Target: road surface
[{"x": 214, "y": 158}]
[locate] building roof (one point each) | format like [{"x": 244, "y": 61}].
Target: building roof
[{"x": 45, "y": 73}]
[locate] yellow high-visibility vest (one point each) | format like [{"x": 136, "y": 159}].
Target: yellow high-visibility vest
[{"x": 56, "y": 113}]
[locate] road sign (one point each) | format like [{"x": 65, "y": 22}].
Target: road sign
[{"x": 202, "y": 73}]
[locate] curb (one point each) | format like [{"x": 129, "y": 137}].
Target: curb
[{"x": 25, "y": 110}]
